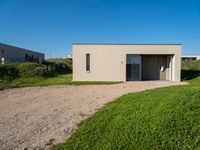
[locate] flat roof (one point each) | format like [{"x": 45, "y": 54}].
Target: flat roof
[
  {"x": 190, "y": 56},
  {"x": 119, "y": 44},
  {"x": 21, "y": 48}
]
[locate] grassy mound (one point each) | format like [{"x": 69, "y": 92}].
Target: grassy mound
[
  {"x": 32, "y": 74},
  {"x": 165, "y": 118}
]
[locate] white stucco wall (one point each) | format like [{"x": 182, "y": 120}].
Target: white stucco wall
[{"x": 108, "y": 62}]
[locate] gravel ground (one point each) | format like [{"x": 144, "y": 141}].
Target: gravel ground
[{"x": 31, "y": 117}]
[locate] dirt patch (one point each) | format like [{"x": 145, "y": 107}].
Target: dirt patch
[{"x": 37, "y": 117}]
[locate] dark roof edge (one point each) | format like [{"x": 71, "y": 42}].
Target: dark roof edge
[
  {"x": 22, "y": 48},
  {"x": 119, "y": 44}
]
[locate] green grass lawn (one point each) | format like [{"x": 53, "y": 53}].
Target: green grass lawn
[
  {"x": 165, "y": 118},
  {"x": 65, "y": 79}
]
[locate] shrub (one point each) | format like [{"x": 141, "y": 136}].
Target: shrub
[
  {"x": 68, "y": 62},
  {"x": 57, "y": 67},
  {"x": 191, "y": 65},
  {"x": 190, "y": 69},
  {"x": 8, "y": 72},
  {"x": 31, "y": 69},
  {"x": 189, "y": 74}
]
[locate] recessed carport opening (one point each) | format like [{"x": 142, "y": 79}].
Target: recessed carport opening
[{"x": 148, "y": 67}]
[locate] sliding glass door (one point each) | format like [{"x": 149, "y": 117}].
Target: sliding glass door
[{"x": 133, "y": 67}]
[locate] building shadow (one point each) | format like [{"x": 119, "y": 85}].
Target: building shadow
[{"x": 189, "y": 74}]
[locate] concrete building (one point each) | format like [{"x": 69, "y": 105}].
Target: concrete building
[
  {"x": 11, "y": 54},
  {"x": 126, "y": 62},
  {"x": 190, "y": 57}
]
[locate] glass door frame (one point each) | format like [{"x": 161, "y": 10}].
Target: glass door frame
[{"x": 140, "y": 71}]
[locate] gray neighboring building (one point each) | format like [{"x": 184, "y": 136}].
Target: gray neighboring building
[
  {"x": 126, "y": 62},
  {"x": 12, "y": 54},
  {"x": 190, "y": 57}
]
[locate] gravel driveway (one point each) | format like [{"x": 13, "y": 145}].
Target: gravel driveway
[{"x": 30, "y": 117}]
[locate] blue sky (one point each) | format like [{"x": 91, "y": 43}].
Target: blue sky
[{"x": 51, "y": 26}]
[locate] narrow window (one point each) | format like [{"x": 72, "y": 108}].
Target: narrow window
[
  {"x": 2, "y": 53},
  {"x": 87, "y": 62},
  {"x": 26, "y": 57},
  {"x": 2, "y": 59}
]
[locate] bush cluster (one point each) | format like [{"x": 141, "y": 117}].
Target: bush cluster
[
  {"x": 8, "y": 72},
  {"x": 190, "y": 69},
  {"x": 57, "y": 67},
  {"x": 191, "y": 65},
  {"x": 27, "y": 70},
  {"x": 68, "y": 62}
]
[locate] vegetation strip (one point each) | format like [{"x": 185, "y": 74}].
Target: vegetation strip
[{"x": 52, "y": 72}]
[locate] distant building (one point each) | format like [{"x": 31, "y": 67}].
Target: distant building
[
  {"x": 12, "y": 54},
  {"x": 190, "y": 57},
  {"x": 67, "y": 57}
]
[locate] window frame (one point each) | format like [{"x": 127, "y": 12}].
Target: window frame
[
  {"x": 88, "y": 62},
  {"x": 2, "y": 53}
]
